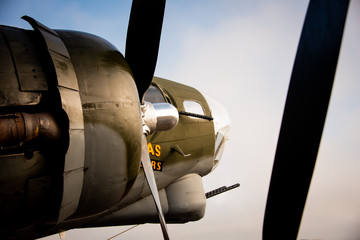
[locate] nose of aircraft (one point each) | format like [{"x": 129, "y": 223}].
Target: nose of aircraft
[{"x": 221, "y": 127}]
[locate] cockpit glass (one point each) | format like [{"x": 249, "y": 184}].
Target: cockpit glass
[
  {"x": 154, "y": 95},
  {"x": 221, "y": 127},
  {"x": 193, "y": 107}
]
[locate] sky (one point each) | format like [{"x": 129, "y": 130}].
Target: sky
[{"x": 241, "y": 53}]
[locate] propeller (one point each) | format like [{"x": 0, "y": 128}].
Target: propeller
[
  {"x": 143, "y": 40},
  {"x": 150, "y": 178},
  {"x": 142, "y": 46},
  {"x": 304, "y": 116}
]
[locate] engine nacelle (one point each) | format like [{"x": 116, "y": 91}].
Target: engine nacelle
[{"x": 70, "y": 124}]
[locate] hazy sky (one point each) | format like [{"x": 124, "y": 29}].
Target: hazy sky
[{"x": 241, "y": 53}]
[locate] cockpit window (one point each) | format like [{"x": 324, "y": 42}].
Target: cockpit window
[
  {"x": 193, "y": 107},
  {"x": 154, "y": 95}
]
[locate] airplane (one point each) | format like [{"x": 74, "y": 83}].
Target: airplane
[
  {"x": 153, "y": 148},
  {"x": 85, "y": 131}
]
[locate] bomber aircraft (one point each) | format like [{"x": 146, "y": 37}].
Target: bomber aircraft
[{"x": 90, "y": 138}]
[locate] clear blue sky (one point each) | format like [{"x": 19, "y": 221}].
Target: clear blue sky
[{"x": 240, "y": 52}]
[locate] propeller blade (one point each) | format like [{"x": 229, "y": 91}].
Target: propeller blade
[
  {"x": 142, "y": 46},
  {"x": 150, "y": 178},
  {"x": 304, "y": 116},
  {"x": 143, "y": 39}
]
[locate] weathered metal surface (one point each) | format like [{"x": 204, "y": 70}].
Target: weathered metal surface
[
  {"x": 19, "y": 128},
  {"x": 21, "y": 73},
  {"x": 112, "y": 121},
  {"x": 59, "y": 54},
  {"x": 71, "y": 103}
]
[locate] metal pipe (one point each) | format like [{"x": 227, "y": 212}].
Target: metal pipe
[{"x": 20, "y": 127}]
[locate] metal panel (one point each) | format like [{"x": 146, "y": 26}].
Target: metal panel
[
  {"x": 139, "y": 212},
  {"x": 73, "y": 181},
  {"x": 5, "y": 55},
  {"x": 59, "y": 54},
  {"x": 54, "y": 42},
  {"x": 27, "y": 63},
  {"x": 71, "y": 103},
  {"x": 65, "y": 72},
  {"x": 75, "y": 154},
  {"x": 19, "y": 75}
]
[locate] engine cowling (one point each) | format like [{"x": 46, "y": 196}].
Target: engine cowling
[{"x": 71, "y": 117}]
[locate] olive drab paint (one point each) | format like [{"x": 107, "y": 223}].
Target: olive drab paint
[{"x": 71, "y": 133}]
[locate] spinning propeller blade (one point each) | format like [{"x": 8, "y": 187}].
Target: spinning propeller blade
[{"x": 304, "y": 116}]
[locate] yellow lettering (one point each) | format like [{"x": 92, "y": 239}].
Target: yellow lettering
[
  {"x": 157, "y": 150},
  {"x": 153, "y": 164},
  {"x": 159, "y": 166},
  {"x": 151, "y": 149}
]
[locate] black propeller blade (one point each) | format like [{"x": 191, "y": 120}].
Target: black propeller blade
[
  {"x": 143, "y": 39},
  {"x": 304, "y": 116},
  {"x": 142, "y": 46}
]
